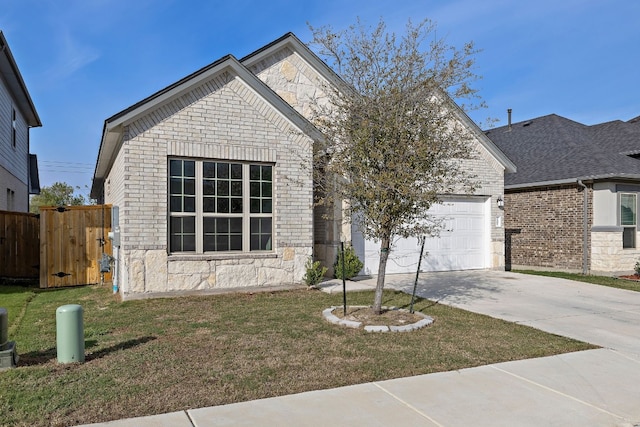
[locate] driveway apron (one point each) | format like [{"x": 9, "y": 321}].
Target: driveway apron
[{"x": 600, "y": 315}]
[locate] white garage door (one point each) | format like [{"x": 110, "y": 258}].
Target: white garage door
[{"x": 463, "y": 243}]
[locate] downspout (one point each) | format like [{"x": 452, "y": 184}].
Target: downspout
[{"x": 585, "y": 227}]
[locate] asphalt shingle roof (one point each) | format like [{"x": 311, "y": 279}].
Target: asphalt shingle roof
[{"x": 554, "y": 148}]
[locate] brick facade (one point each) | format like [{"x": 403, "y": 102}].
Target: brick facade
[
  {"x": 302, "y": 87},
  {"x": 220, "y": 119},
  {"x": 229, "y": 116},
  {"x": 489, "y": 174},
  {"x": 544, "y": 227}
]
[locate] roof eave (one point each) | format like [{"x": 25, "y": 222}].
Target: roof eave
[
  {"x": 9, "y": 69},
  {"x": 113, "y": 126},
  {"x": 301, "y": 49},
  {"x": 497, "y": 153},
  {"x": 565, "y": 181}
]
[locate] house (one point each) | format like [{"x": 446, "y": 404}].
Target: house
[
  {"x": 18, "y": 168},
  {"x": 473, "y": 233},
  {"x": 212, "y": 178},
  {"x": 572, "y": 205}
]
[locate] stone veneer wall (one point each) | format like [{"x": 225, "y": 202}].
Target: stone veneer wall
[
  {"x": 607, "y": 254},
  {"x": 302, "y": 87},
  {"x": 221, "y": 119},
  {"x": 544, "y": 227}
]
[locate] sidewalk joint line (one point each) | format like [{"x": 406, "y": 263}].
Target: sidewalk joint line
[
  {"x": 559, "y": 393},
  {"x": 190, "y": 419},
  {"x": 408, "y": 405}
]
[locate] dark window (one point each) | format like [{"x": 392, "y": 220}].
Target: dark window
[
  {"x": 207, "y": 205},
  {"x": 14, "y": 126},
  {"x": 628, "y": 218}
]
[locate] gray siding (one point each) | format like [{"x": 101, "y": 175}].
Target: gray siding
[{"x": 14, "y": 161}]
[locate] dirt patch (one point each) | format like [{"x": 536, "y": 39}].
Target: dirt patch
[
  {"x": 388, "y": 317},
  {"x": 631, "y": 277}
]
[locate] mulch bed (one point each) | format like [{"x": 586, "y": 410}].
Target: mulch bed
[{"x": 635, "y": 277}]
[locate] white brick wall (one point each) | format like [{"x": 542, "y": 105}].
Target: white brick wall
[
  {"x": 301, "y": 86},
  {"x": 490, "y": 176},
  {"x": 224, "y": 119},
  {"x": 221, "y": 119}
]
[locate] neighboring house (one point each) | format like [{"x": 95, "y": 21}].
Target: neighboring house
[
  {"x": 573, "y": 203},
  {"x": 18, "y": 168},
  {"x": 212, "y": 177}
]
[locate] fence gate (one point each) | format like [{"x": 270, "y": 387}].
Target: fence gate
[
  {"x": 72, "y": 240},
  {"x": 19, "y": 245}
]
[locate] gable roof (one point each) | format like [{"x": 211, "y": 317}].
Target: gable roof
[
  {"x": 11, "y": 75},
  {"x": 509, "y": 166},
  {"x": 552, "y": 150},
  {"x": 114, "y": 125},
  {"x": 290, "y": 40}
]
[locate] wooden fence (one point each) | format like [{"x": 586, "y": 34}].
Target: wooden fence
[
  {"x": 72, "y": 240},
  {"x": 19, "y": 245}
]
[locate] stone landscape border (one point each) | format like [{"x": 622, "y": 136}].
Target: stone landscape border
[{"x": 332, "y": 318}]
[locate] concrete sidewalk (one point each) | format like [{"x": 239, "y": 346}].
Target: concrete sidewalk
[{"x": 589, "y": 388}]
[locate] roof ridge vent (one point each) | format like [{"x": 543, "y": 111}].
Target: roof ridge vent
[{"x": 527, "y": 123}]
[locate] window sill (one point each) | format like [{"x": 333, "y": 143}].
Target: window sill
[{"x": 225, "y": 256}]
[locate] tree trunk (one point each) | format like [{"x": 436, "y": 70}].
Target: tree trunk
[{"x": 382, "y": 268}]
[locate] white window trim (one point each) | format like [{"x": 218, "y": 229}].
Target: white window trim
[
  {"x": 199, "y": 213},
  {"x": 634, "y": 226}
]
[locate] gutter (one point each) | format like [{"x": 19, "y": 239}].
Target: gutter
[
  {"x": 585, "y": 227},
  {"x": 610, "y": 176}
]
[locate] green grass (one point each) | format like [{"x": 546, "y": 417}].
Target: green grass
[
  {"x": 612, "y": 282},
  {"x": 162, "y": 355},
  {"x": 15, "y": 299}
]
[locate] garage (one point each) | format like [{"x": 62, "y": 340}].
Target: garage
[{"x": 464, "y": 243}]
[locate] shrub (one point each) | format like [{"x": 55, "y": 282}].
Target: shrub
[
  {"x": 315, "y": 272},
  {"x": 352, "y": 264},
  {"x": 637, "y": 268}
]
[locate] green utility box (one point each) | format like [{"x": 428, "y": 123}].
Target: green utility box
[{"x": 70, "y": 333}]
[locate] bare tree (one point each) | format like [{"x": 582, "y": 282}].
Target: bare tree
[{"x": 395, "y": 142}]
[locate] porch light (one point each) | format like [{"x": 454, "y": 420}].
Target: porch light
[{"x": 500, "y": 202}]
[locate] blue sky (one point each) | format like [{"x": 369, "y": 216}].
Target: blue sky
[{"x": 85, "y": 60}]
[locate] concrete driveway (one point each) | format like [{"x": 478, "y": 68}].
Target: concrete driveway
[{"x": 599, "y": 315}]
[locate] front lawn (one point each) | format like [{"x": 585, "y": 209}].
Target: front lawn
[
  {"x": 162, "y": 355},
  {"x": 612, "y": 282}
]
